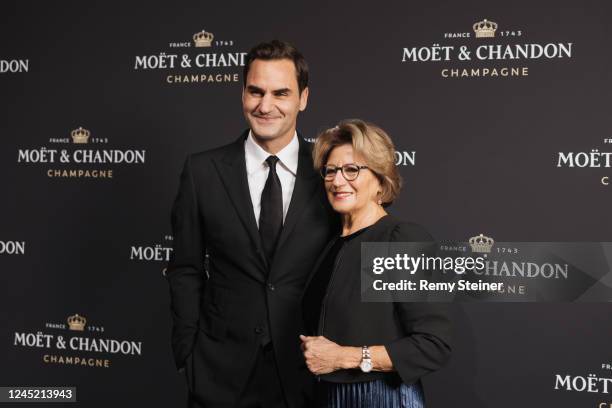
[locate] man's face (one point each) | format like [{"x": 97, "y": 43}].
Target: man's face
[{"x": 271, "y": 100}]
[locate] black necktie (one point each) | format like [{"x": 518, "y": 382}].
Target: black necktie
[{"x": 271, "y": 215}]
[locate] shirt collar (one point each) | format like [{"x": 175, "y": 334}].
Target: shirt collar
[{"x": 256, "y": 155}]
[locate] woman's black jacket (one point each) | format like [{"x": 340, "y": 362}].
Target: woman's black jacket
[{"x": 417, "y": 336}]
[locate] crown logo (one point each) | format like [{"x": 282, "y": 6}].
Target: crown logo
[
  {"x": 80, "y": 135},
  {"x": 485, "y": 29},
  {"x": 481, "y": 244},
  {"x": 203, "y": 39},
  {"x": 76, "y": 322}
]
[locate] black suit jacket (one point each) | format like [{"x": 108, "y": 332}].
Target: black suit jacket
[
  {"x": 222, "y": 313},
  {"x": 417, "y": 336}
]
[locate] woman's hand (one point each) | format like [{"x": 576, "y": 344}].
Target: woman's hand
[{"x": 323, "y": 356}]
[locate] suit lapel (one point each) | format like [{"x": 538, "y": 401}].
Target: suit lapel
[
  {"x": 306, "y": 182},
  {"x": 232, "y": 171}
]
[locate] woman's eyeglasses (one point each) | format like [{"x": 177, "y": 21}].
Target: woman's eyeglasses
[{"x": 350, "y": 171}]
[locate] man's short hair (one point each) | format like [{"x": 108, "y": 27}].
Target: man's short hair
[{"x": 276, "y": 50}]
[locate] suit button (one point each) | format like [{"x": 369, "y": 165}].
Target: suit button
[
  {"x": 271, "y": 286},
  {"x": 258, "y": 330}
]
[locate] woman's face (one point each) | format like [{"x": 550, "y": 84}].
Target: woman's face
[{"x": 351, "y": 197}]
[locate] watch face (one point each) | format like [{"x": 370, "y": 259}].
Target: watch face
[{"x": 366, "y": 366}]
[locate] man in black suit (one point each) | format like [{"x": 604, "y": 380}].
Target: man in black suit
[{"x": 257, "y": 208}]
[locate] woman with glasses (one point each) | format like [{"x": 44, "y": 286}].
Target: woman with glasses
[{"x": 366, "y": 354}]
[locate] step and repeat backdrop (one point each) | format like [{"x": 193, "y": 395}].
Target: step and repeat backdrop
[{"x": 500, "y": 112}]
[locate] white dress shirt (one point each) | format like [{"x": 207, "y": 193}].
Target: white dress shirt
[{"x": 257, "y": 171}]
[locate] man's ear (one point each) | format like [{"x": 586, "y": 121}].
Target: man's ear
[{"x": 304, "y": 99}]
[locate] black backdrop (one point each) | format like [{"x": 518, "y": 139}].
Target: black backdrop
[{"x": 485, "y": 149}]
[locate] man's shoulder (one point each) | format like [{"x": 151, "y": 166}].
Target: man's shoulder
[
  {"x": 216, "y": 153},
  {"x": 213, "y": 153}
]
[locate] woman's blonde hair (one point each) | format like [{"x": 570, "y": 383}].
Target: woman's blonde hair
[{"x": 369, "y": 141}]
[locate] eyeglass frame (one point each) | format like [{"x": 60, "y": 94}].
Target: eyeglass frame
[{"x": 341, "y": 168}]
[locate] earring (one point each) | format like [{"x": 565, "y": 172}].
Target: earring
[{"x": 379, "y": 202}]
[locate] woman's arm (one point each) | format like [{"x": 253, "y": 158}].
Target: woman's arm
[
  {"x": 427, "y": 344},
  {"x": 350, "y": 357}
]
